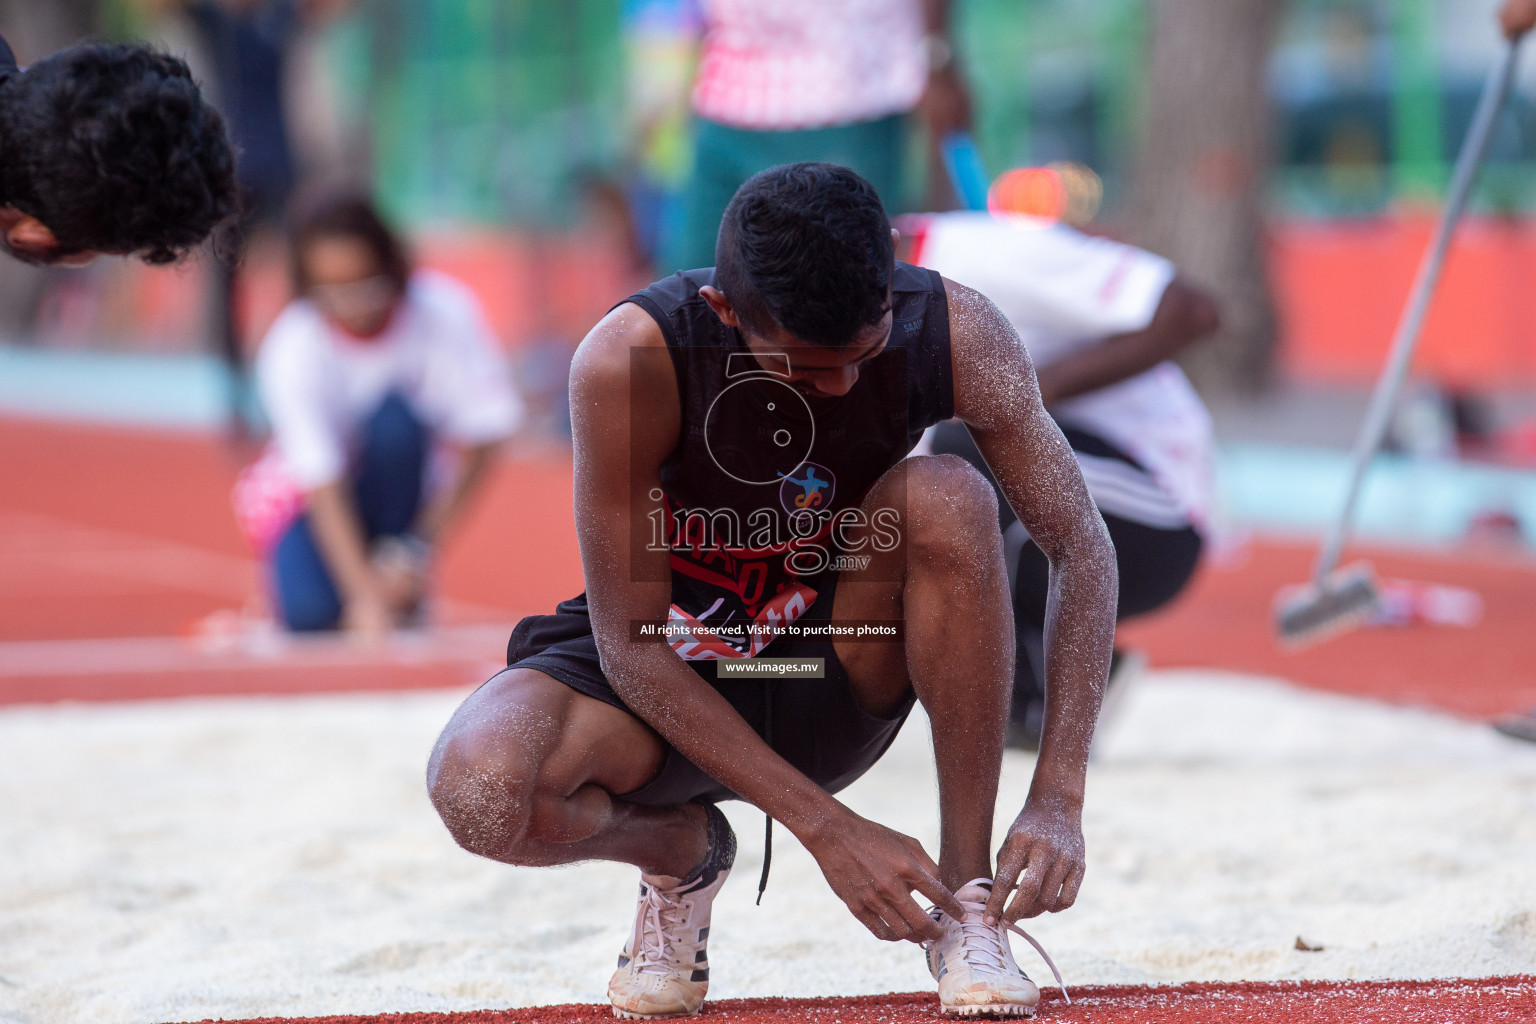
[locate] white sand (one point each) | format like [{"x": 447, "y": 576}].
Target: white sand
[{"x": 253, "y": 857}]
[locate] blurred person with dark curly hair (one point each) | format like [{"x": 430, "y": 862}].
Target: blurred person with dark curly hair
[{"x": 109, "y": 148}]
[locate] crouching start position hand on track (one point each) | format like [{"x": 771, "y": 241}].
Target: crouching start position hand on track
[{"x": 740, "y": 437}]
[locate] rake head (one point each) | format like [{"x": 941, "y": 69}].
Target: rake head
[{"x": 1311, "y": 613}]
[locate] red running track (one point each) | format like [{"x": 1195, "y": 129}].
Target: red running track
[
  {"x": 128, "y": 533},
  {"x": 1481, "y": 1001},
  {"x": 118, "y": 532},
  {"x": 1223, "y": 621},
  {"x": 114, "y": 543}
]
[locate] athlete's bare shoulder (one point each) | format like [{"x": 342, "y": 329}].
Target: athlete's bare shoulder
[
  {"x": 994, "y": 379},
  {"x": 607, "y": 345},
  {"x": 605, "y": 359},
  {"x": 975, "y": 322},
  {"x": 621, "y": 369}
]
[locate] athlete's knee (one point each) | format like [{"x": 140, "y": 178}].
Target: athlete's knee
[
  {"x": 484, "y": 772},
  {"x": 951, "y": 509},
  {"x": 480, "y": 794}
]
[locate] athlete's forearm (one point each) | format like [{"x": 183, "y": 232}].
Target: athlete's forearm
[
  {"x": 694, "y": 718},
  {"x": 997, "y": 397},
  {"x": 1079, "y": 640}
]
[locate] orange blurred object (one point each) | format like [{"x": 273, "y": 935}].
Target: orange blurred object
[
  {"x": 1059, "y": 191},
  {"x": 1034, "y": 192}
]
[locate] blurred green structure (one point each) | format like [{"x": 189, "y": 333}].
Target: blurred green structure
[
  {"x": 487, "y": 110},
  {"x": 1372, "y": 97},
  {"x": 493, "y": 111}
]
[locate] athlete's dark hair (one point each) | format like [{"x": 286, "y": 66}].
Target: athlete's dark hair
[
  {"x": 113, "y": 148},
  {"x": 343, "y": 212},
  {"x": 807, "y": 246}
]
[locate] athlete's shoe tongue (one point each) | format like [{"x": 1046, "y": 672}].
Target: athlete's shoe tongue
[
  {"x": 977, "y": 890},
  {"x": 666, "y": 883}
]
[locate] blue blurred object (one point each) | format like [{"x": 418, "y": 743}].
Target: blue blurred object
[{"x": 966, "y": 172}]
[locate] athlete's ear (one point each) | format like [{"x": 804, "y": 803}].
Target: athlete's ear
[
  {"x": 26, "y": 234},
  {"x": 31, "y": 239},
  {"x": 720, "y": 304}
]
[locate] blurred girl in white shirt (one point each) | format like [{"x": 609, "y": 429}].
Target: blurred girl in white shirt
[{"x": 372, "y": 374}]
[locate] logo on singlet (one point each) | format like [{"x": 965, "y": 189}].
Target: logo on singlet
[{"x": 810, "y": 487}]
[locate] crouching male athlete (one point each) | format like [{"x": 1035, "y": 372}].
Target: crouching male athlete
[{"x": 739, "y": 436}]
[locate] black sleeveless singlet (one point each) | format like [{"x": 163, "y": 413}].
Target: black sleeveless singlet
[{"x": 762, "y": 473}]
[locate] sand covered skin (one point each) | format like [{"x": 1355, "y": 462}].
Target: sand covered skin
[{"x": 245, "y": 857}]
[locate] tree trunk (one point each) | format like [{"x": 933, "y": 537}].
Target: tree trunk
[{"x": 1201, "y": 170}]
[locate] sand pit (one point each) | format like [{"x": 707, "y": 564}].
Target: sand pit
[{"x": 261, "y": 857}]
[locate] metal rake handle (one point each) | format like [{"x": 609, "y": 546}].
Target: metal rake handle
[{"x": 1495, "y": 89}]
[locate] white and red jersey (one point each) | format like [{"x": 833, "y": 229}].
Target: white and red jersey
[
  {"x": 318, "y": 386},
  {"x": 793, "y": 64},
  {"x": 1062, "y": 289}
]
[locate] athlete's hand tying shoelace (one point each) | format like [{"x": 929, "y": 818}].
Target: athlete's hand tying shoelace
[
  {"x": 982, "y": 947},
  {"x": 1041, "y": 862},
  {"x": 874, "y": 870}
]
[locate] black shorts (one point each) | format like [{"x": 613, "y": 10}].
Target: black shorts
[
  {"x": 1155, "y": 562},
  {"x": 814, "y": 724}
]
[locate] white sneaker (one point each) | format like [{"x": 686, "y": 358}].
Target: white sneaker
[
  {"x": 974, "y": 965},
  {"x": 664, "y": 970}
]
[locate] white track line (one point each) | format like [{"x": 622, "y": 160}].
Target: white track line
[
  {"x": 34, "y": 548},
  {"x": 438, "y": 645}
]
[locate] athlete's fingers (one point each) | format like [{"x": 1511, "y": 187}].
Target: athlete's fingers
[
  {"x": 1029, "y": 887},
  {"x": 918, "y": 925},
  {"x": 893, "y": 901},
  {"x": 869, "y": 919},
  {"x": 925, "y": 879},
  {"x": 1050, "y": 892},
  {"x": 942, "y": 898},
  {"x": 1010, "y": 862},
  {"x": 890, "y": 911},
  {"x": 1073, "y": 883}
]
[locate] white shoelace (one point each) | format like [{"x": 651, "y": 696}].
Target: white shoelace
[
  {"x": 660, "y": 913},
  {"x": 1043, "y": 956},
  {"x": 983, "y": 949}
]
